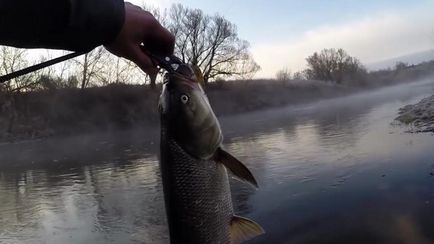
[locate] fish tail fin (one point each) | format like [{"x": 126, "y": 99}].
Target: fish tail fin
[
  {"x": 237, "y": 168},
  {"x": 243, "y": 229}
]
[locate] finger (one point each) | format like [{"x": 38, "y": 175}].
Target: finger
[
  {"x": 144, "y": 62},
  {"x": 164, "y": 42},
  {"x": 167, "y": 41},
  {"x": 128, "y": 4},
  {"x": 158, "y": 40}
]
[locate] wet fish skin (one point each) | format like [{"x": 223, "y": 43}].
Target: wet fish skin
[
  {"x": 193, "y": 168},
  {"x": 198, "y": 199},
  {"x": 193, "y": 125}
]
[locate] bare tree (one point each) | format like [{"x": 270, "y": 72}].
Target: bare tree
[
  {"x": 283, "y": 74},
  {"x": 90, "y": 65},
  {"x": 94, "y": 68},
  {"x": 58, "y": 75},
  {"x": 122, "y": 70},
  {"x": 13, "y": 59},
  {"x": 57, "y": 70},
  {"x": 299, "y": 75},
  {"x": 210, "y": 43},
  {"x": 401, "y": 66},
  {"x": 119, "y": 70},
  {"x": 115, "y": 71},
  {"x": 334, "y": 65}
]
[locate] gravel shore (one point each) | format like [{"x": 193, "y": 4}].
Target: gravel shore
[{"x": 419, "y": 117}]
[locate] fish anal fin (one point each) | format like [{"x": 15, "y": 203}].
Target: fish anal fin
[
  {"x": 238, "y": 169},
  {"x": 243, "y": 229}
]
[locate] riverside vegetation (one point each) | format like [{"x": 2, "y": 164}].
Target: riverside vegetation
[
  {"x": 100, "y": 92},
  {"x": 65, "y": 111}
]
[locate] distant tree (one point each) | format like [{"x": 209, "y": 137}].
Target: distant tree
[
  {"x": 58, "y": 71},
  {"x": 334, "y": 65},
  {"x": 54, "y": 76},
  {"x": 122, "y": 70},
  {"x": 13, "y": 59},
  {"x": 400, "y": 66},
  {"x": 210, "y": 43},
  {"x": 50, "y": 83},
  {"x": 283, "y": 74},
  {"x": 72, "y": 82},
  {"x": 90, "y": 65},
  {"x": 119, "y": 70},
  {"x": 299, "y": 75}
]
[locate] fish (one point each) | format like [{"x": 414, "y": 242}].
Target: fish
[{"x": 194, "y": 167}]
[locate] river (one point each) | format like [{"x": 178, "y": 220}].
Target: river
[{"x": 336, "y": 171}]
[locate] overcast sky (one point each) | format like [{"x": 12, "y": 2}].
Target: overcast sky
[{"x": 283, "y": 33}]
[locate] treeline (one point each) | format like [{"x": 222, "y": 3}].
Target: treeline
[
  {"x": 48, "y": 112},
  {"x": 70, "y": 111},
  {"x": 209, "y": 42},
  {"x": 333, "y": 65},
  {"x": 337, "y": 66},
  {"x": 402, "y": 72},
  {"x": 99, "y": 91},
  {"x": 96, "y": 68}
]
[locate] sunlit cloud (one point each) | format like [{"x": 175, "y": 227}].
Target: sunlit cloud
[{"x": 377, "y": 37}]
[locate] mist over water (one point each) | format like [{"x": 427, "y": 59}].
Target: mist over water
[{"x": 336, "y": 171}]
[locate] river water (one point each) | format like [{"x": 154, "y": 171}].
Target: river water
[{"x": 337, "y": 171}]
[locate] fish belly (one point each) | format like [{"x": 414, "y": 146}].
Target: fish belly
[{"x": 197, "y": 196}]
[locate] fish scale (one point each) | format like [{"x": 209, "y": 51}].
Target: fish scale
[
  {"x": 197, "y": 193},
  {"x": 193, "y": 165}
]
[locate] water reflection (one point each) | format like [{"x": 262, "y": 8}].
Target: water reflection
[
  {"x": 90, "y": 204},
  {"x": 333, "y": 172}
]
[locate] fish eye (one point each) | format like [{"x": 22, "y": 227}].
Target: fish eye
[{"x": 184, "y": 98}]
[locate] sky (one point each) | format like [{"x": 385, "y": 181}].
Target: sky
[{"x": 283, "y": 33}]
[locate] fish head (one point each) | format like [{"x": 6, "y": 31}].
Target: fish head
[{"x": 188, "y": 116}]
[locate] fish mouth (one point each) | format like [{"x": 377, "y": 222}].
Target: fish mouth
[{"x": 182, "y": 80}]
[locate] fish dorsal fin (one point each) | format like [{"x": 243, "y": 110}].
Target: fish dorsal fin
[
  {"x": 237, "y": 168},
  {"x": 243, "y": 229}
]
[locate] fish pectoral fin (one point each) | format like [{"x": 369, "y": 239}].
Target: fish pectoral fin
[
  {"x": 237, "y": 168},
  {"x": 243, "y": 229}
]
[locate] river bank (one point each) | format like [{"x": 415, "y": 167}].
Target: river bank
[
  {"x": 418, "y": 117},
  {"x": 341, "y": 154},
  {"x": 116, "y": 107},
  {"x": 65, "y": 112},
  {"x": 98, "y": 147}
]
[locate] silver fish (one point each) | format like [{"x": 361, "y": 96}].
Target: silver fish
[{"x": 193, "y": 167}]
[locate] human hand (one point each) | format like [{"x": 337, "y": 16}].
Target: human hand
[{"x": 141, "y": 27}]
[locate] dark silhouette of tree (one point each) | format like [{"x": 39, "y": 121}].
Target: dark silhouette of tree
[
  {"x": 334, "y": 65},
  {"x": 11, "y": 60},
  {"x": 283, "y": 74},
  {"x": 90, "y": 66},
  {"x": 299, "y": 75},
  {"x": 119, "y": 70},
  {"x": 401, "y": 66},
  {"x": 210, "y": 43}
]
